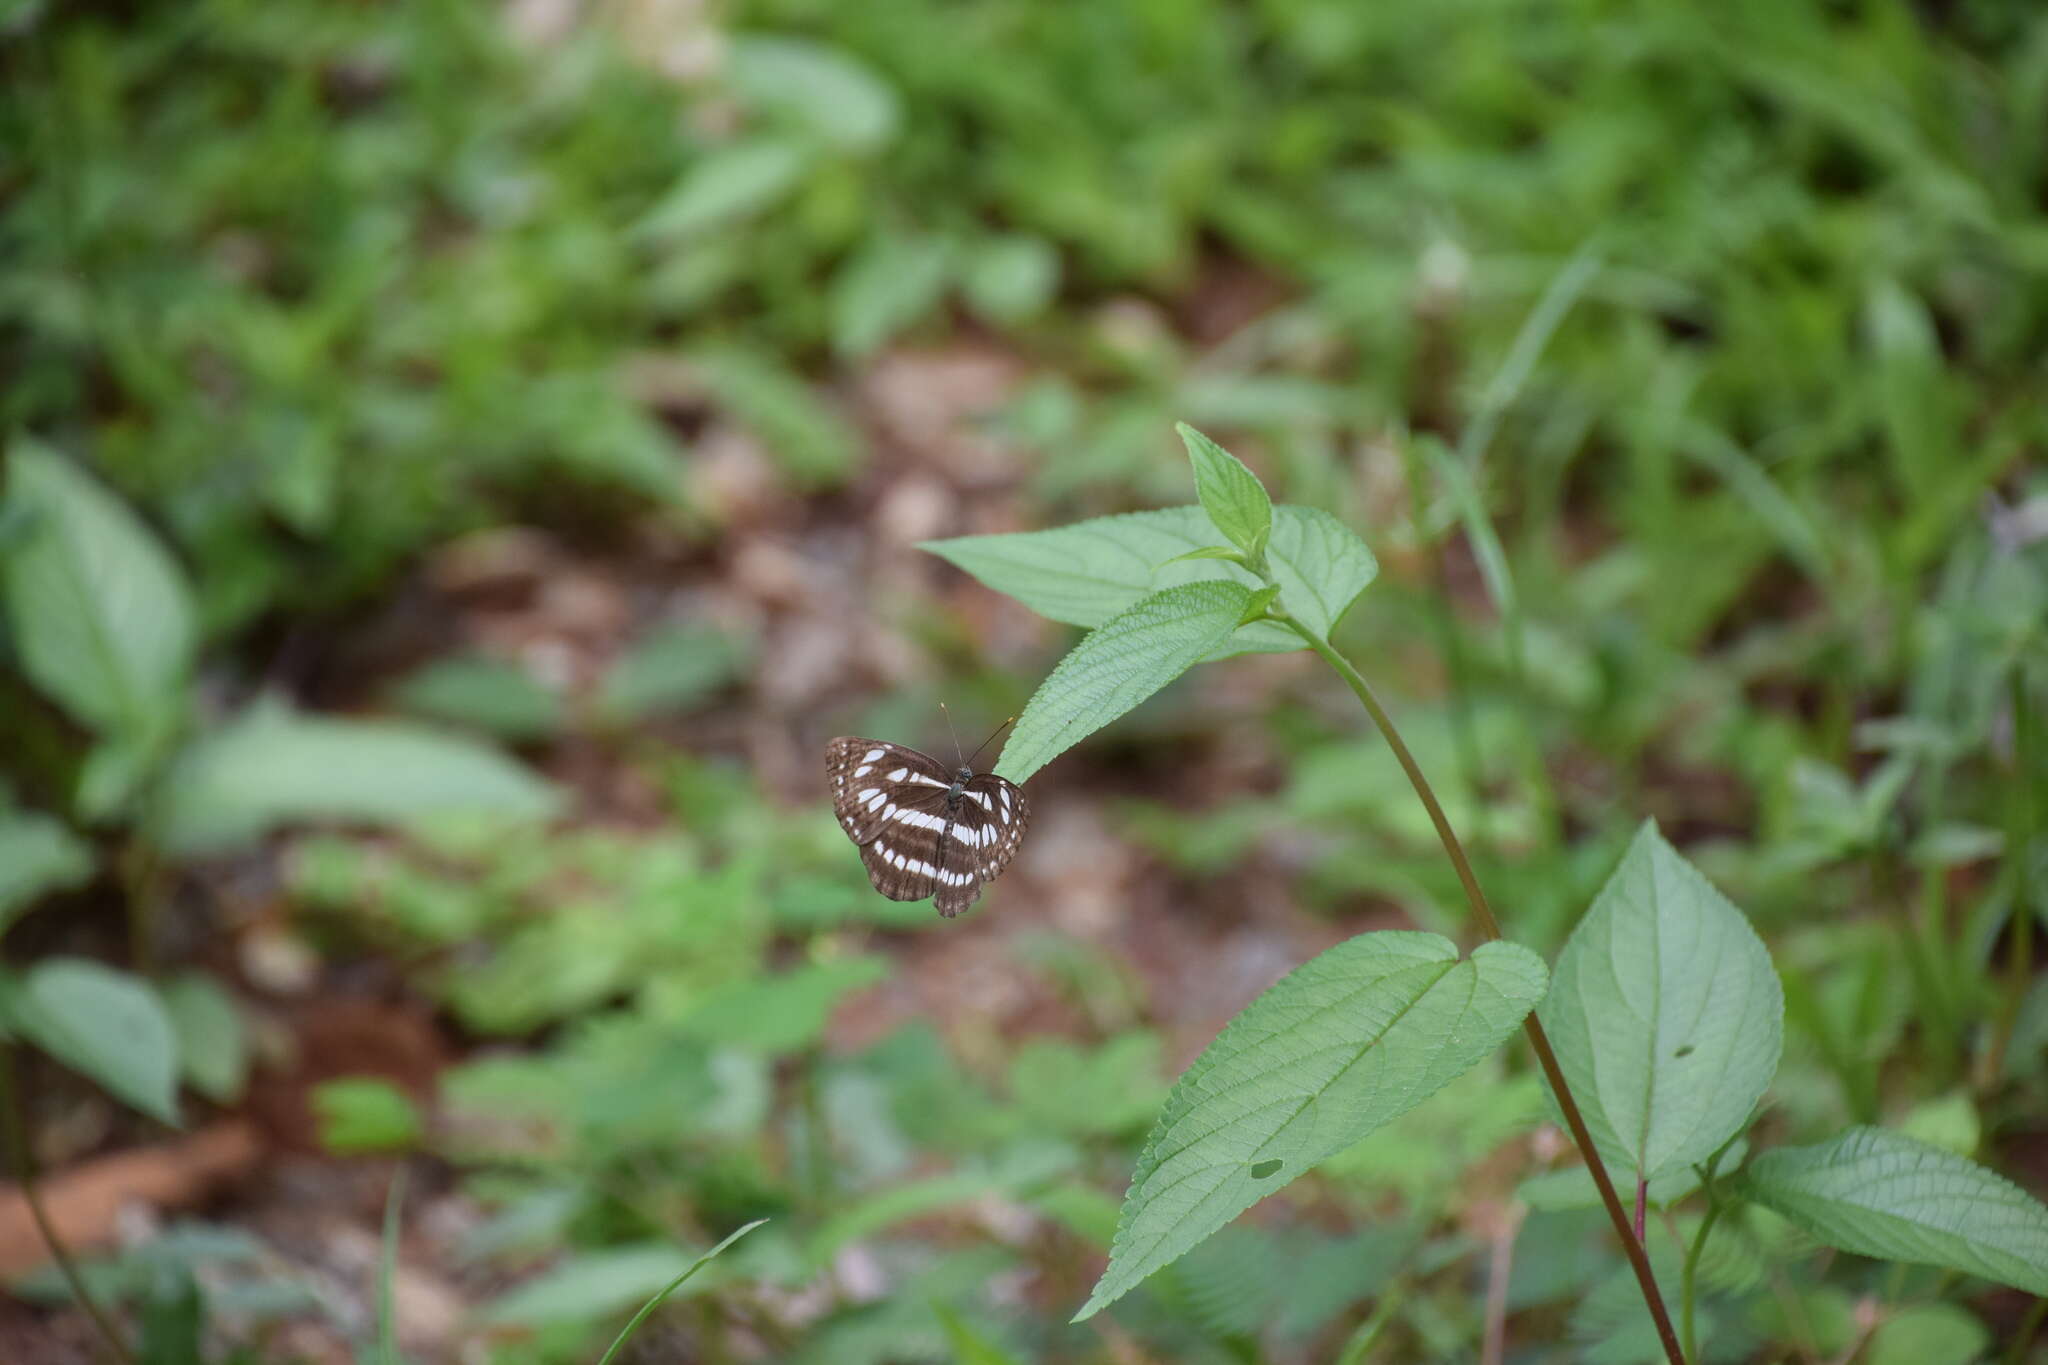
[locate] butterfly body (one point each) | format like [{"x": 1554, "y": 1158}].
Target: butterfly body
[{"x": 924, "y": 830}]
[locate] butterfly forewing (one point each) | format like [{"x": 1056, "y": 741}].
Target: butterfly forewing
[{"x": 923, "y": 831}]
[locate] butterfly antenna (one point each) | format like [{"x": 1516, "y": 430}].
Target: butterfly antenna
[
  {"x": 951, "y": 731},
  {"x": 969, "y": 760}
]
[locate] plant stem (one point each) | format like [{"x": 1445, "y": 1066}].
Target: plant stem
[
  {"x": 25, "y": 1176},
  {"x": 387, "y": 1272},
  {"x": 1500, "y": 1269},
  {"x": 817, "y": 1141},
  {"x": 140, "y": 872},
  {"x": 1369, "y": 1331},
  {"x": 1638, "y": 1259},
  {"x": 2024, "y": 1336},
  {"x": 1464, "y": 744},
  {"x": 1689, "y": 1278},
  {"x": 2020, "y": 842}
]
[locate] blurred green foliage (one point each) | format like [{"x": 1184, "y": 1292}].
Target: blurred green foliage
[{"x": 1728, "y": 316}]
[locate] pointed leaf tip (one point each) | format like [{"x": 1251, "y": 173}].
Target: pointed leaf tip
[
  {"x": 1233, "y": 497},
  {"x": 1667, "y": 1015}
]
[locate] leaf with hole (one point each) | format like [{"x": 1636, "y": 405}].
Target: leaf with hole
[
  {"x": 1351, "y": 1039},
  {"x": 1666, "y": 1013},
  {"x": 1119, "y": 664},
  {"x": 1882, "y": 1194}
]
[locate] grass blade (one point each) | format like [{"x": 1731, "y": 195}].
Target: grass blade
[{"x": 627, "y": 1331}]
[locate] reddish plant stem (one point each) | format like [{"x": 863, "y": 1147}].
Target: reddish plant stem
[{"x": 1631, "y": 1243}]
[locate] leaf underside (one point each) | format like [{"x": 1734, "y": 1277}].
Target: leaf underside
[
  {"x": 1346, "y": 1042},
  {"x": 1086, "y": 573},
  {"x": 1666, "y": 1014},
  {"x": 1119, "y": 664},
  {"x": 1882, "y": 1194}
]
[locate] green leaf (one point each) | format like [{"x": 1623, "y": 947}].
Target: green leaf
[
  {"x": 804, "y": 435},
  {"x": 881, "y": 1209},
  {"x": 887, "y": 286},
  {"x": 1480, "y": 535},
  {"x": 101, "y": 614},
  {"x": 1881, "y": 1194},
  {"x": 1255, "y": 606},
  {"x": 1085, "y": 573},
  {"x": 672, "y": 667},
  {"x": 1347, "y": 1041},
  {"x": 1227, "y": 552},
  {"x": 114, "y": 770},
  {"x": 213, "y": 1047},
  {"x": 1928, "y": 1334},
  {"x": 1231, "y": 494},
  {"x": 672, "y": 1286},
  {"x": 591, "y": 1284},
  {"x": 360, "y": 1114},
  {"x": 730, "y": 183},
  {"x": 833, "y": 96},
  {"x": 171, "y": 1317},
  {"x": 1065, "y": 1088},
  {"x": 969, "y": 1347},
  {"x": 780, "y": 1014},
  {"x": 38, "y": 855},
  {"x": 1573, "y": 1188},
  {"x": 104, "y": 1024},
  {"x": 1665, "y": 1012},
  {"x": 492, "y": 695},
  {"x": 1119, "y": 664},
  {"x": 1010, "y": 279},
  {"x": 1950, "y": 1122},
  {"x": 271, "y": 767},
  {"x": 1320, "y": 565}
]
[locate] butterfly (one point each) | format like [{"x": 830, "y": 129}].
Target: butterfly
[{"x": 923, "y": 830}]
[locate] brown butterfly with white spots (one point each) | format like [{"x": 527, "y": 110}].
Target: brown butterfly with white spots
[{"x": 922, "y": 830}]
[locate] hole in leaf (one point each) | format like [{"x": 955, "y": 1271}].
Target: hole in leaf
[
  {"x": 1685, "y": 1051},
  {"x": 1262, "y": 1169}
]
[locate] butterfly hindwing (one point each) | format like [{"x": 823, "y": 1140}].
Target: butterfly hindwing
[
  {"x": 1006, "y": 801},
  {"x": 923, "y": 831}
]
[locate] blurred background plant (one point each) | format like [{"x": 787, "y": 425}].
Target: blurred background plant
[{"x": 496, "y": 436}]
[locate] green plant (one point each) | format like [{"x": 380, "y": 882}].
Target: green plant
[
  {"x": 101, "y": 626},
  {"x": 1657, "y": 1033}
]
